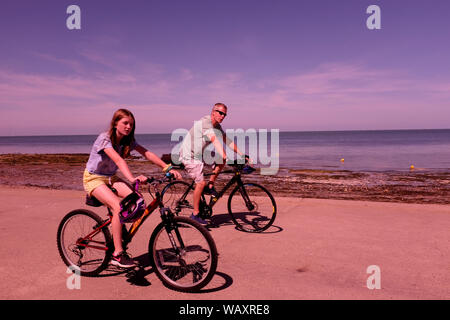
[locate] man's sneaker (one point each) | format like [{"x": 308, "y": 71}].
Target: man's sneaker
[
  {"x": 123, "y": 260},
  {"x": 198, "y": 219}
]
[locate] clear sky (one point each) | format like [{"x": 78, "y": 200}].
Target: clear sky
[{"x": 280, "y": 64}]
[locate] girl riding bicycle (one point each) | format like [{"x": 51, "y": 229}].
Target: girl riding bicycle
[{"x": 107, "y": 155}]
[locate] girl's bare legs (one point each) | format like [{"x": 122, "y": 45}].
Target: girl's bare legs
[{"x": 104, "y": 194}]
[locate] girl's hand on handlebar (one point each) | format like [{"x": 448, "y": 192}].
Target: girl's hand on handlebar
[{"x": 142, "y": 179}]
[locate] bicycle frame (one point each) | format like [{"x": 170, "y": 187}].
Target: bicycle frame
[
  {"x": 235, "y": 179},
  {"x": 85, "y": 242},
  {"x": 182, "y": 252}
]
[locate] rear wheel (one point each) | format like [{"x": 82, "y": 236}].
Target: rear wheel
[
  {"x": 252, "y": 207},
  {"x": 81, "y": 244},
  {"x": 183, "y": 254}
]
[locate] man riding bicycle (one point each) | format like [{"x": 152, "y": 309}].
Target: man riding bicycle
[{"x": 205, "y": 131}]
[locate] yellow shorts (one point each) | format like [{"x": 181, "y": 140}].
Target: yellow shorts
[{"x": 92, "y": 181}]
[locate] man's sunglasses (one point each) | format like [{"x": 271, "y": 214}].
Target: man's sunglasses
[{"x": 221, "y": 113}]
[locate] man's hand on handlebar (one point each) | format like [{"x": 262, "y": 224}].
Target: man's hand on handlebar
[
  {"x": 248, "y": 160},
  {"x": 176, "y": 174}
]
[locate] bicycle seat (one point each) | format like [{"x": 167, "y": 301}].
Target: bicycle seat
[
  {"x": 93, "y": 201},
  {"x": 248, "y": 169},
  {"x": 179, "y": 166},
  {"x": 235, "y": 163}
]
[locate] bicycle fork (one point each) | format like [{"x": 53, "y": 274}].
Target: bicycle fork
[
  {"x": 246, "y": 198},
  {"x": 170, "y": 225}
]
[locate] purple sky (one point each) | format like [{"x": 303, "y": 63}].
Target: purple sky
[{"x": 289, "y": 65}]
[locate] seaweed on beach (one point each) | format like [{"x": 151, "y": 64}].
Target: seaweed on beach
[
  {"x": 42, "y": 159},
  {"x": 327, "y": 174},
  {"x": 65, "y": 171}
]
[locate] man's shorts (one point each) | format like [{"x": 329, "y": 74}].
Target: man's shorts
[
  {"x": 92, "y": 181},
  {"x": 194, "y": 169}
]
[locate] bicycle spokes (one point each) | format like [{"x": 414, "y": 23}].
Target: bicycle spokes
[
  {"x": 82, "y": 241},
  {"x": 183, "y": 256},
  {"x": 252, "y": 207}
]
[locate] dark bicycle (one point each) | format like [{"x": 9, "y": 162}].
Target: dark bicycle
[
  {"x": 182, "y": 252},
  {"x": 251, "y": 206}
]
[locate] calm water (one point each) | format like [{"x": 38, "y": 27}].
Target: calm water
[{"x": 361, "y": 150}]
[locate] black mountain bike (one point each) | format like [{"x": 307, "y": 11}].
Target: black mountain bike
[
  {"x": 182, "y": 252},
  {"x": 251, "y": 206}
]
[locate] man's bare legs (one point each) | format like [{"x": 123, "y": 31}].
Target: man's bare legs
[{"x": 200, "y": 186}]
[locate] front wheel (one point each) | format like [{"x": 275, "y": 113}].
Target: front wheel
[
  {"x": 183, "y": 254},
  {"x": 252, "y": 207}
]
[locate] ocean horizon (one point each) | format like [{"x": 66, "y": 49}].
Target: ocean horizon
[
  {"x": 355, "y": 150},
  {"x": 281, "y": 131}
]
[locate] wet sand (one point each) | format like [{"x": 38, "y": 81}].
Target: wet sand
[{"x": 64, "y": 171}]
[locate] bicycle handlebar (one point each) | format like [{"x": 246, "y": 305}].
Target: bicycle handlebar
[
  {"x": 150, "y": 180},
  {"x": 238, "y": 162},
  {"x": 167, "y": 178}
]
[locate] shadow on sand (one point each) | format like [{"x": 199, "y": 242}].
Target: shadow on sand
[
  {"x": 137, "y": 276},
  {"x": 224, "y": 219}
]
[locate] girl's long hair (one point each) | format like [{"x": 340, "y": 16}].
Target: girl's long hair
[{"x": 127, "y": 140}]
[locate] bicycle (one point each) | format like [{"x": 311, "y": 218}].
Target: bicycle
[
  {"x": 182, "y": 252},
  {"x": 254, "y": 211}
]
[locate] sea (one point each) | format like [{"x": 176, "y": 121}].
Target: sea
[{"x": 380, "y": 150}]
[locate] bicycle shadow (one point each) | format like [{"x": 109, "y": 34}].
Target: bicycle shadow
[
  {"x": 138, "y": 276},
  {"x": 224, "y": 219}
]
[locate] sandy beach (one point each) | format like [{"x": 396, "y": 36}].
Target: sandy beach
[{"x": 317, "y": 249}]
